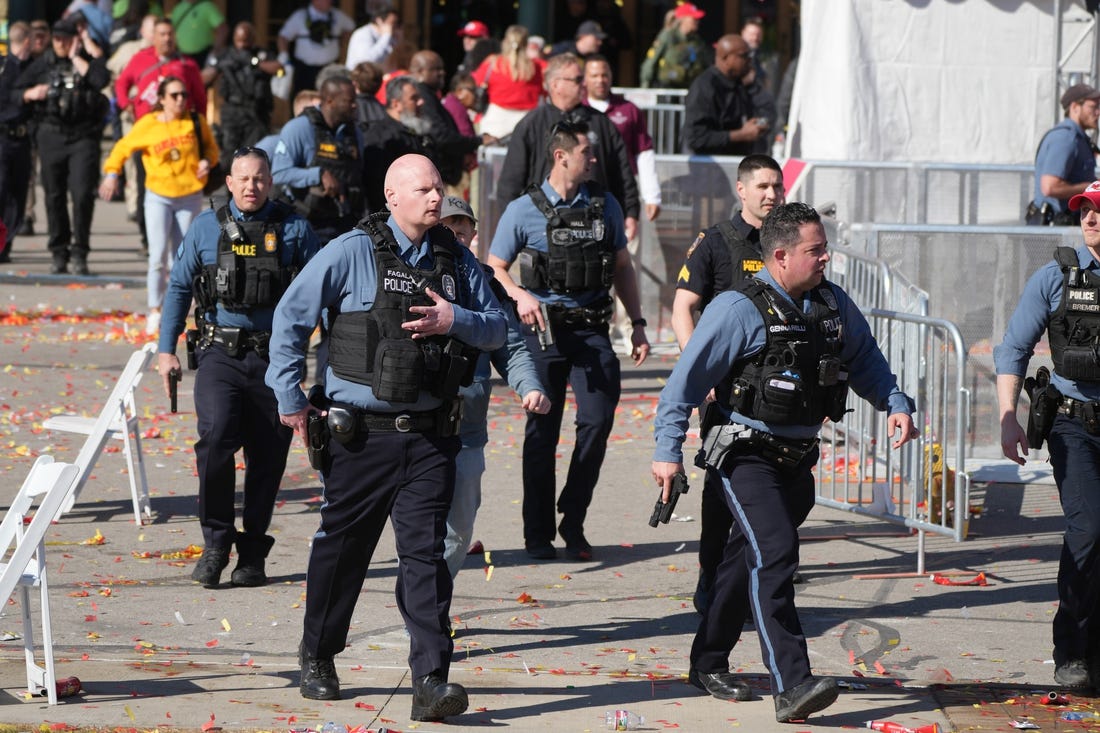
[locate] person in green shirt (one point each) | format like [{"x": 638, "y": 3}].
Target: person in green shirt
[
  {"x": 200, "y": 29},
  {"x": 679, "y": 54}
]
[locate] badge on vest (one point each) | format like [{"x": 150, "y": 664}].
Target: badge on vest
[
  {"x": 449, "y": 289},
  {"x": 271, "y": 242}
]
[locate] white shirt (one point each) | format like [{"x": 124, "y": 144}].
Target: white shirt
[
  {"x": 368, "y": 44},
  {"x": 309, "y": 53}
]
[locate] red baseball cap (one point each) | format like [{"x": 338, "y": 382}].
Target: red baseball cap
[
  {"x": 1092, "y": 193},
  {"x": 688, "y": 10},
  {"x": 474, "y": 29}
]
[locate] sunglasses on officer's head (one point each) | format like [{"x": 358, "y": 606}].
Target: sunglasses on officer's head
[{"x": 253, "y": 151}]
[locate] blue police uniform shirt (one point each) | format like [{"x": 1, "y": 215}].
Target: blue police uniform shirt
[
  {"x": 1065, "y": 152},
  {"x": 343, "y": 275},
  {"x": 523, "y": 225},
  {"x": 268, "y": 145},
  {"x": 294, "y": 151},
  {"x": 513, "y": 361},
  {"x": 200, "y": 248},
  {"x": 731, "y": 328},
  {"x": 1041, "y": 297}
]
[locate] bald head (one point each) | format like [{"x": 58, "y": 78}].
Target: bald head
[
  {"x": 731, "y": 56},
  {"x": 414, "y": 194},
  {"x": 244, "y": 35},
  {"x": 427, "y": 67}
]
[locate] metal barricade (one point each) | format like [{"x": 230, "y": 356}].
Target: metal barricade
[
  {"x": 924, "y": 485},
  {"x": 664, "y": 115}
]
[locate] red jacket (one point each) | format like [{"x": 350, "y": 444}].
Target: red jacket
[{"x": 138, "y": 81}]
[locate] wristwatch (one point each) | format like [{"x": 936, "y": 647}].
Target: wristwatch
[{"x": 639, "y": 323}]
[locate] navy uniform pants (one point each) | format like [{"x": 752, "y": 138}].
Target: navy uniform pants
[
  {"x": 240, "y": 127},
  {"x": 236, "y": 410},
  {"x": 1075, "y": 458},
  {"x": 70, "y": 167},
  {"x": 15, "y": 175},
  {"x": 583, "y": 358},
  {"x": 768, "y": 505},
  {"x": 409, "y": 479}
]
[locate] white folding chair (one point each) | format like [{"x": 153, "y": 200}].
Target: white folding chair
[
  {"x": 117, "y": 420},
  {"x": 48, "y": 483}
]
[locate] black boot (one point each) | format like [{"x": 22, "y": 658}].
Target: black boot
[
  {"x": 80, "y": 266},
  {"x": 435, "y": 699},
  {"x": 319, "y": 680},
  {"x": 60, "y": 265},
  {"x": 209, "y": 569},
  {"x": 251, "y": 554},
  {"x": 816, "y": 693}
]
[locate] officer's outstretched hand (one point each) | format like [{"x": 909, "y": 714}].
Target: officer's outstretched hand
[
  {"x": 437, "y": 318},
  {"x": 166, "y": 364},
  {"x": 1013, "y": 439},
  {"x": 902, "y": 425},
  {"x": 663, "y": 471},
  {"x": 536, "y": 402}
]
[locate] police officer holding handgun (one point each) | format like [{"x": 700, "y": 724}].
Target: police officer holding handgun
[
  {"x": 235, "y": 262},
  {"x": 568, "y": 236},
  {"x": 1062, "y": 299},
  {"x": 784, "y": 348},
  {"x": 409, "y": 311}
]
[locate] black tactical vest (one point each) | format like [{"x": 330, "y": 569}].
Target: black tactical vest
[
  {"x": 249, "y": 272},
  {"x": 70, "y": 100},
  {"x": 745, "y": 258},
  {"x": 341, "y": 159},
  {"x": 371, "y": 348},
  {"x": 243, "y": 83},
  {"x": 579, "y": 257},
  {"x": 1074, "y": 329},
  {"x": 797, "y": 378}
]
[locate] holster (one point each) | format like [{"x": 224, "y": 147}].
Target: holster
[
  {"x": 719, "y": 443},
  {"x": 317, "y": 448},
  {"x": 192, "y": 343},
  {"x": 1045, "y": 400}
]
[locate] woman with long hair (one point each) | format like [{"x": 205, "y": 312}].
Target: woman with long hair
[
  {"x": 513, "y": 82},
  {"x": 178, "y": 151}
]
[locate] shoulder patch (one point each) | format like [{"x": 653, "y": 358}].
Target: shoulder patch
[
  {"x": 694, "y": 244},
  {"x": 685, "y": 274},
  {"x": 280, "y": 148}
]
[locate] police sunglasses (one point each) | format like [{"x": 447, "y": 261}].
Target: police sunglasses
[{"x": 253, "y": 151}]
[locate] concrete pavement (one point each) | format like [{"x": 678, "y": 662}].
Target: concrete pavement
[{"x": 538, "y": 645}]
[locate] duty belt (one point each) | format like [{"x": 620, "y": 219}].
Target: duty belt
[
  {"x": 1087, "y": 412},
  {"x": 405, "y": 422},
  {"x": 596, "y": 314},
  {"x": 236, "y": 340},
  {"x": 16, "y": 132}
]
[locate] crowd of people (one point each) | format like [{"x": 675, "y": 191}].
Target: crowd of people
[{"x": 353, "y": 221}]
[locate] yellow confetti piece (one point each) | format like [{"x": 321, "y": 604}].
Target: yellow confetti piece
[
  {"x": 129, "y": 713},
  {"x": 488, "y": 557},
  {"x": 631, "y": 657},
  {"x": 488, "y": 573},
  {"x": 98, "y": 539},
  {"x": 225, "y": 624}
]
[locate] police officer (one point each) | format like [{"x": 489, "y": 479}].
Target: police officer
[
  {"x": 528, "y": 162},
  {"x": 243, "y": 72},
  {"x": 784, "y": 347},
  {"x": 235, "y": 262},
  {"x": 719, "y": 259},
  {"x": 318, "y": 161},
  {"x": 1061, "y": 298},
  {"x": 408, "y": 311},
  {"x": 15, "y": 137},
  {"x": 568, "y": 236},
  {"x": 63, "y": 84}
]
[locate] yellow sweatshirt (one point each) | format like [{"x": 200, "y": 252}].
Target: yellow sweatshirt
[{"x": 169, "y": 151}]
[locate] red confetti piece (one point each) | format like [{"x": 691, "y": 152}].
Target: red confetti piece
[
  {"x": 978, "y": 579},
  {"x": 210, "y": 723},
  {"x": 212, "y": 643},
  {"x": 365, "y": 706}
]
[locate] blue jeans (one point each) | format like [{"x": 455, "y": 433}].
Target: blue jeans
[
  {"x": 167, "y": 219},
  {"x": 469, "y": 466}
]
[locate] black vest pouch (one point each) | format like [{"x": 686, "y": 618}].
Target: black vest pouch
[
  {"x": 398, "y": 367},
  {"x": 532, "y": 269},
  {"x": 1080, "y": 363}
]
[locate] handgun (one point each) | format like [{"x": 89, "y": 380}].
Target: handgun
[
  {"x": 174, "y": 377},
  {"x": 546, "y": 335},
  {"x": 662, "y": 510}
]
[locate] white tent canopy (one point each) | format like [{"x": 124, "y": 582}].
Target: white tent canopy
[{"x": 967, "y": 81}]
